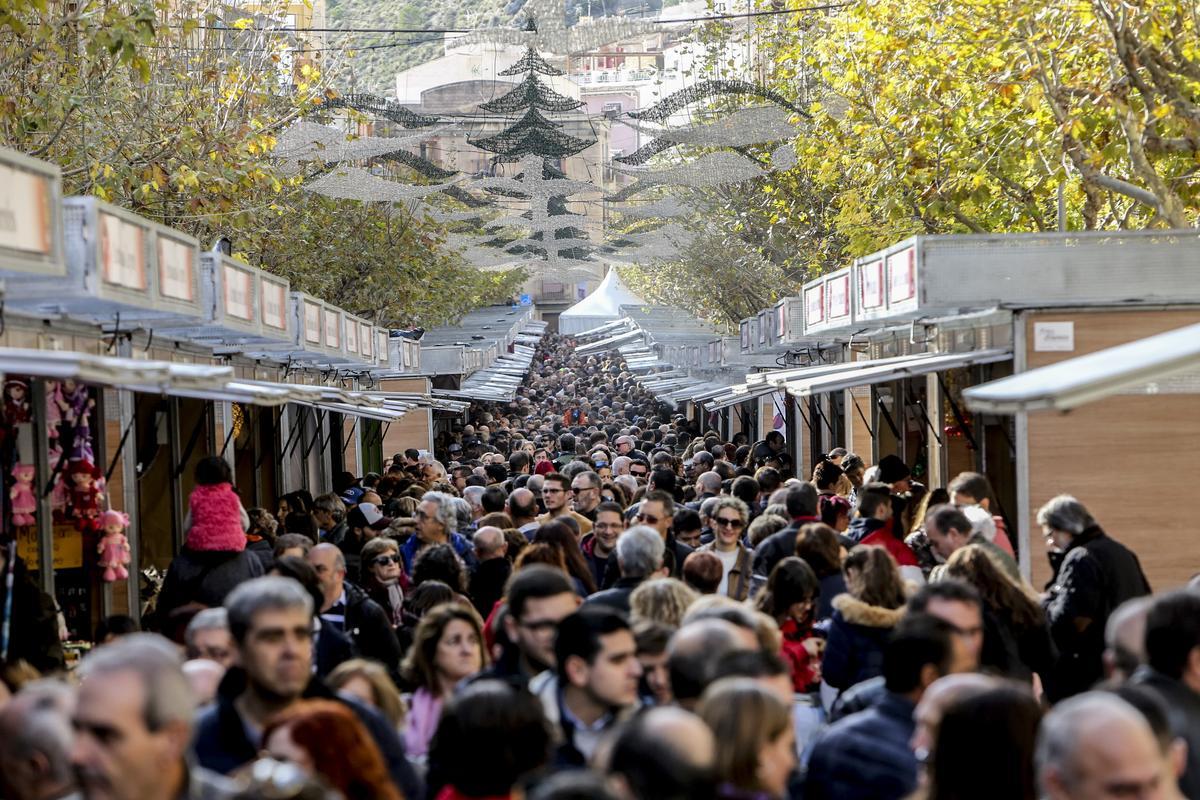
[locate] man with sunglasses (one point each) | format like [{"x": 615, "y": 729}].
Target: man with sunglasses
[
  {"x": 586, "y": 490},
  {"x": 657, "y": 510},
  {"x": 729, "y": 518}
]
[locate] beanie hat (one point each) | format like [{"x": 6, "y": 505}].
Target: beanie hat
[{"x": 892, "y": 469}]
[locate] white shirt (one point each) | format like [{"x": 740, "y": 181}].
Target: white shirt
[{"x": 728, "y": 559}]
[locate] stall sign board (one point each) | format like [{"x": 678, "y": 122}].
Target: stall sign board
[
  {"x": 1054, "y": 337},
  {"x": 902, "y": 275},
  {"x": 25, "y": 211},
  {"x": 351, "y": 335},
  {"x": 870, "y": 284},
  {"x": 381, "y": 345},
  {"x": 333, "y": 319},
  {"x": 312, "y": 322},
  {"x": 122, "y": 252},
  {"x": 176, "y": 270},
  {"x": 366, "y": 338},
  {"x": 814, "y": 304},
  {"x": 274, "y": 304},
  {"x": 839, "y": 296},
  {"x": 239, "y": 292}
]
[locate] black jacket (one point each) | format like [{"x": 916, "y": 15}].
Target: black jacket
[
  {"x": 205, "y": 577},
  {"x": 333, "y": 647},
  {"x": 487, "y": 584},
  {"x": 220, "y": 741},
  {"x": 778, "y": 546},
  {"x": 265, "y": 553},
  {"x": 368, "y": 627},
  {"x": 1097, "y": 575},
  {"x": 618, "y": 596},
  {"x": 34, "y": 631},
  {"x": 1183, "y": 712}
]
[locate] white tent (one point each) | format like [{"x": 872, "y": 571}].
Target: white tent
[{"x": 599, "y": 307}]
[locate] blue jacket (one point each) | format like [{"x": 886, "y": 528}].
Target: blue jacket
[
  {"x": 854, "y": 645},
  {"x": 865, "y": 756},
  {"x": 460, "y": 543}
]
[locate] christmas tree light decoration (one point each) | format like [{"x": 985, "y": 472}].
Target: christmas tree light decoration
[
  {"x": 422, "y": 166},
  {"x": 381, "y": 108},
  {"x": 531, "y": 62},
  {"x": 308, "y": 141},
  {"x": 356, "y": 183},
  {"x": 710, "y": 169},
  {"x": 744, "y": 127},
  {"x": 531, "y": 93},
  {"x": 705, "y": 90},
  {"x": 665, "y": 208}
]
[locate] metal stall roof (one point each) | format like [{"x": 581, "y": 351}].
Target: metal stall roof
[
  {"x": 1145, "y": 366},
  {"x": 867, "y": 373}
]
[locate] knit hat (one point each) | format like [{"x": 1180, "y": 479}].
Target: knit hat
[
  {"x": 892, "y": 469},
  {"x": 544, "y": 468}
]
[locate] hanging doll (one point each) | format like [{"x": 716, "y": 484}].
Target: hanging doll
[
  {"x": 24, "y": 501},
  {"x": 16, "y": 401},
  {"x": 75, "y": 402},
  {"x": 113, "y": 546},
  {"x": 86, "y": 492}
]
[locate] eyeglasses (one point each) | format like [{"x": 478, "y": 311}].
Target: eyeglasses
[
  {"x": 648, "y": 519},
  {"x": 383, "y": 561},
  {"x": 639, "y": 474},
  {"x": 578, "y": 489},
  {"x": 548, "y": 490},
  {"x": 733, "y": 522}
]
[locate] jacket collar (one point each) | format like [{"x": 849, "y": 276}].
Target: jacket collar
[{"x": 856, "y": 612}]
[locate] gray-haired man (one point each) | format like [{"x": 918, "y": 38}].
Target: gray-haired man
[
  {"x": 271, "y": 622},
  {"x": 132, "y": 724}
]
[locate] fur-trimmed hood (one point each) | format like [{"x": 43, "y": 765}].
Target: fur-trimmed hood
[{"x": 856, "y": 612}]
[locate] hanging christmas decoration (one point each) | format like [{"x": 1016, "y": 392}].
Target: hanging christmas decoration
[
  {"x": 531, "y": 62},
  {"x": 381, "y": 108},
  {"x": 665, "y": 208},
  {"x": 710, "y": 169},
  {"x": 308, "y": 141},
  {"x": 704, "y": 90},
  {"x": 356, "y": 183},
  {"x": 422, "y": 166},
  {"x": 745, "y": 127}
]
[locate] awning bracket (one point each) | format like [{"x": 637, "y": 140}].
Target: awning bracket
[
  {"x": 958, "y": 415},
  {"x": 862, "y": 416},
  {"x": 112, "y": 467},
  {"x": 193, "y": 440}
]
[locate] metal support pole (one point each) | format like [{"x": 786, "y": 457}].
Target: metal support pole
[
  {"x": 176, "y": 487},
  {"x": 41, "y": 456}
]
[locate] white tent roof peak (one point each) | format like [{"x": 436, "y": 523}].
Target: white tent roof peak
[{"x": 602, "y": 305}]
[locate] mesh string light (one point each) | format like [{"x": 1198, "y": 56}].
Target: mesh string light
[
  {"x": 704, "y": 90},
  {"x": 355, "y": 183},
  {"x": 744, "y": 127},
  {"x": 379, "y": 107}
]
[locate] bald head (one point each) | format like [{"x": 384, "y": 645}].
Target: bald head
[
  {"x": 708, "y": 483},
  {"x": 330, "y": 564},
  {"x": 685, "y": 732},
  {"x": 694, "y": 651},
  {"x": 522, "y": 505},
  {"x": 489, "y": 543},
  {"x": 1096, "y": 745}
]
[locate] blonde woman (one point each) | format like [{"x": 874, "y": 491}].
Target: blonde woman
[
  {"x": 663, "y": 600},
  {"x": 368, "y": 681},
  {"x": 756, "y": 745},
  {"x": 730, "y": 516}
]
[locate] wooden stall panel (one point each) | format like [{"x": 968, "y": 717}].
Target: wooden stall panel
[{"x": 1129, "y": 458}]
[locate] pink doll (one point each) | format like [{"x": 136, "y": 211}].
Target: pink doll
[
  {"x": 24, "y": 502},
  {"x": 114, "y": 547}
]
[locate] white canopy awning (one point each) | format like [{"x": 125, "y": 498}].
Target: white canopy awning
[
  {"x": 1137, "y": 366},
  {"x": 121, "y": 373},
  {"x": 738, "y": 393},
  {"x": 600, "y": 330},
  {"x": 609, "y": 343},
  {"x": 868, "y": 373}
]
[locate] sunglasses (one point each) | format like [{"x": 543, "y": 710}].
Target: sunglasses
[
  {"x": 648, "y": 519},
  {"x": 734, "y": 523},
  {"x": 383, "y": 561}
]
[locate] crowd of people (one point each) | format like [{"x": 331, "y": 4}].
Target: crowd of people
[{"x": 581, "y": 596}]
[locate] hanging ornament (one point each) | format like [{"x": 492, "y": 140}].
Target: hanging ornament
[
  {"x": 113, "y": 547},
  {"x": 705, "y": 90},
  {"x": 356, "y": 183},
  {"x": 744, "y": 127},
  {"x": 379, "y": 107}
]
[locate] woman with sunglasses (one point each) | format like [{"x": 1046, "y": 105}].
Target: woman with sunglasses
[
  {"x": 383, "y": 576},
  {"x": 730, "y": 517}
]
